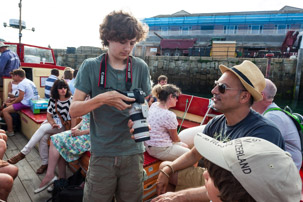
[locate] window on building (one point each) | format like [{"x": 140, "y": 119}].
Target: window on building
[
  {"x": 281, "y": 29},
  {"x": 230, "y": 29},
  {"x": 185, "y": 30},
  {"x": 207, "y": 29},
  {"x": 242, "y": 29},
  {"x": 255, "y": 29},
  {"x": 268, "y": 29},
  {"x": 164, "y": 31}
]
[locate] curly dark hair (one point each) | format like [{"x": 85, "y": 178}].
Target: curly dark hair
[
  {"x": 120, "y": 26},
  {"x": 58, "y": 84},
  {"x": 229, "y": 187}
]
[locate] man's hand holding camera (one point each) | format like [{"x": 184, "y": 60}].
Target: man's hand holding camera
[{"x": 115, "y": 99}]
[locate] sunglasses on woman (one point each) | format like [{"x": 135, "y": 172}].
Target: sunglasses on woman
[
  {"x": 65, "y": 87},
  {"x": 176, "y": 96},
  {"x": 222, "y": 87}
]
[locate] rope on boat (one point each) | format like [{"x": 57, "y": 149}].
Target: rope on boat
[
  {"x": 206, "y": 114},
  {"x": 185, "y": 112}
]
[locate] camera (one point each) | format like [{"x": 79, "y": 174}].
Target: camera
[{"x": 138, "y": 114}]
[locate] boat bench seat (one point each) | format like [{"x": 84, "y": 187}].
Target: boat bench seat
[
  {"x": 190, "y": 120},
  {"x": 30, "y": 122},
  {"x": 187, "y": 124}
]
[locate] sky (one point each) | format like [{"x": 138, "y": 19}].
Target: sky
[{"x": 74, "y": 23}]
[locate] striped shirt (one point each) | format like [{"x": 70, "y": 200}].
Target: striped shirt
[
  {"x": 48, "y": 85},
  {"x": 62, "y": 107}
]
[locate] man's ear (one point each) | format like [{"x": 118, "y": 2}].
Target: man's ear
[
  {"x": 245, "y": 97},
  {"x": 264, "y": 96}
]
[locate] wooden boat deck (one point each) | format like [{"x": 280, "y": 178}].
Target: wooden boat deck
[{"x": 27, "y": 180}]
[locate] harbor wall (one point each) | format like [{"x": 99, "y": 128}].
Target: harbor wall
[{"x": 197, "y": 74}]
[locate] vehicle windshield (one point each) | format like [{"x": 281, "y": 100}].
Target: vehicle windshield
[{"x": 37, "y": 55}]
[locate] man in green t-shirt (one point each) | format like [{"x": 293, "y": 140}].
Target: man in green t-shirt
[{"x": 116, "y": 163}]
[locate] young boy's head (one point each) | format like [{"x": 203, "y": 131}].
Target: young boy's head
[
  {"x": 217, "y": 178},
  {"x": 248, "y": 169},
  {"x": 120, "y": 26},
  {"x": 162, "y": 80}
]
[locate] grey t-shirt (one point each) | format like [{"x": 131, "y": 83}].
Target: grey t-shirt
[
  {"x": 109, "y": 132},
  {"x": 253, "y": 125},
  {"x": 288, "y": 131}
]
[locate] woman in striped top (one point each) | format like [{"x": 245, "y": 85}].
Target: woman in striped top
[{"x": 61, "y": 95}]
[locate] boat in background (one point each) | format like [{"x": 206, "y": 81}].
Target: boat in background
[{"x": 37, "y": 63}]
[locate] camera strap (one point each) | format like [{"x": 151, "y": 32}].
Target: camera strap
[{"x": 103, "y": 68}]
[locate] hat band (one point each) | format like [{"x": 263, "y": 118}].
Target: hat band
[{"x": 243, "y": 76}]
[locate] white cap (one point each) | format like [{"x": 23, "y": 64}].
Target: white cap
[{"x": 265, "y": 171}]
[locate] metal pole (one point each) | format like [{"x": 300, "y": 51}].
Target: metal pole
[{"x": 20, "y": 24}]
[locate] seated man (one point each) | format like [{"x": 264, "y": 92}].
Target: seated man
[
  {"x": 233, "y": 95},
  {"x": 248, "y": 169},
  {"x": 49, "y": 82},
  {"x": 7, "y": 172},
  {"x": 27, "y": 91},
  {"x": 284, "y": 123}
]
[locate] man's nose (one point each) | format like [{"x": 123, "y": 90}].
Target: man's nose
[{"x": 215, "y": 90}]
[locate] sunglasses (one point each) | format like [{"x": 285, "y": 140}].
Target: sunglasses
[
  {"x": 222, "y": 87},
  {"x": 176, "y": 96},
  {"x": 62, "y": 87}
]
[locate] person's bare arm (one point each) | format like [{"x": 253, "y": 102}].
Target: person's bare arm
[
  {"x": 187, "y": 195},
  {"x": 80, "y": 106},
  {"x": 77, "y": 132},
  {"x": 51, "y": 121},
  {"x": 174, "y": 135},
  {"x": 73, "y": 122},
  {"x": 10, "y": 89},
  {"x": 18, "y": 99},
  {"x": 186, "y": 160}
]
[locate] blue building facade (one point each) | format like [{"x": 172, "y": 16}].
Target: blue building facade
[{"x": 253, "y": 29}]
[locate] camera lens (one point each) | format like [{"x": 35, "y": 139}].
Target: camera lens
[{"x": 141, "y": 130}]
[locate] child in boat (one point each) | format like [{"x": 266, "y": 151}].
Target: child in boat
[
  {"x": 162, "y": 80},
  {"x": 67, "y": 146},
  {"x": 248, "y": 169},
  {"x": 164, "y": 142}
]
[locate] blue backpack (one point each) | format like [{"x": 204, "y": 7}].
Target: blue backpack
[{"x": 295, "y": 117}]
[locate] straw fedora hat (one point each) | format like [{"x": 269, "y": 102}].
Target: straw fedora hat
[{"x": 250, "y": 76}]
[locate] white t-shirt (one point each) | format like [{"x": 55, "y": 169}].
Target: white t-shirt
[
  {"x": 15, "y": 90},
  {"x": 29, "y": 89}
]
